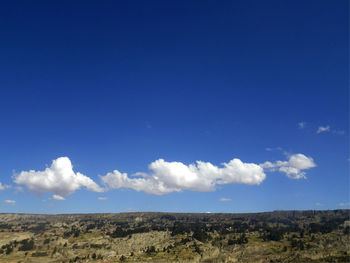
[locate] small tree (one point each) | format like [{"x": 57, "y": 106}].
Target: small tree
[
  {"x": 9, "y": 250},
  {"x": 150, "y": 250}
]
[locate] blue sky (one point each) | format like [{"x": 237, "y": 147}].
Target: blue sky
[{"x": 115, "y": 85}]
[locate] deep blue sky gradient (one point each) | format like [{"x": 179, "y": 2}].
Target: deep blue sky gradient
[{"x": 119, "y": 84}]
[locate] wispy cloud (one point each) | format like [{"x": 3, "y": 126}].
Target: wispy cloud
[
  {"x": 323, "y": 129},
  {"x": 102, "y": 198},
  {"x": 18, "y": 189},
  {"x": 270, "y": 149},
  {"x": 345, "y": 204},
  {"x": 58, "y": 198},
  {"x": 338, "y": 132},
  {"x": 319, "y": 204},
  {"x": 223, "y": 199},
  {"x": 3, "y": 187},
  {"x": 302, "y": 125},
  {"x": 10, "y": 202}
]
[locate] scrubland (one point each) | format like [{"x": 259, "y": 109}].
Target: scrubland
[{"x": 279, "y": 236}]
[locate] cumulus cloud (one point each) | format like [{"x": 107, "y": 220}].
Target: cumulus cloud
[
  {"x": 166, "y": 177},
  {"x": 59, "y": 179},
  {"x": 293, "y": 168},
  {"x": 3, "y": 187},
  {"x": 10, "y": 202},
  {"x": 102, "y": 198},
  {"x": 223, "y": 199},
  {"x": 323, "y": 129},
  {"x": 58, "y": 198}
]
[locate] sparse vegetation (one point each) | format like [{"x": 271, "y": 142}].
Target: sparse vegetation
[
  {"x": 26, "y": 245},
  {"x": 281, "y": 236}
]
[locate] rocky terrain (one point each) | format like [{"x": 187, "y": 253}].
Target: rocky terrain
[{"x": 280, "y": 236}]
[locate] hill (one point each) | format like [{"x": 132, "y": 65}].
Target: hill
[{"x": 279, "y": 236}]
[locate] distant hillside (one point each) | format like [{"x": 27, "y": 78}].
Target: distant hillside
[{"x": 279, "y": 236}]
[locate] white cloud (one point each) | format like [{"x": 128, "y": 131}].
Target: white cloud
[
  {"x": 319, "y": 204},
  {"x": 58, "y": 197},
  {"x": 3, "y": 187},
  {"x": 102, "y": 198},
  {"x": 59, "y": 179},
  {"x": 10, "y": 202},
  {"x": 223, "y": 199},
  {"x": 294, "y": 167},
  {"x": 323, "y": 129},
  {"x": 301, "y": 125},
  {"x": 166, "y": 177},
  {"x": 343, "y": 204}
]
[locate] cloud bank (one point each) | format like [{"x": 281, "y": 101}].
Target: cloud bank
[
  {"x": 59, "y": 179},
  {"x": 294, "y": 167},
  {"x": 166, "y": 177}
]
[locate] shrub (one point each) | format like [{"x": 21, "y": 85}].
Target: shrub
[{"x": 26, "y": 245}]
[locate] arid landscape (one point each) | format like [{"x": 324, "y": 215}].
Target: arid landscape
[
  {"x": 174, "y": 131},
  {"x": 279, "y": 236}
]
